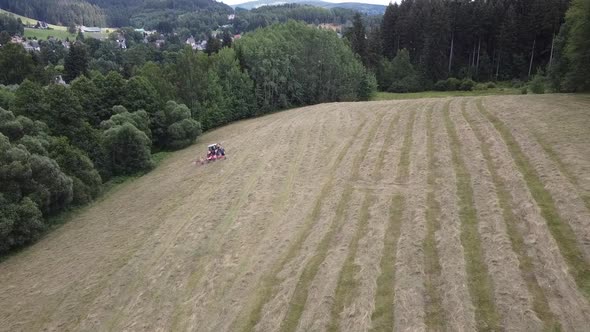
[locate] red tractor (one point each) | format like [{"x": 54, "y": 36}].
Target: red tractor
[{"x": 214, "y": 152}]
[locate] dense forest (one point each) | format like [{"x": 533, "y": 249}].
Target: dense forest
[
  {"x": 116, "y": 13},
  {"x": 60, "y": 143},
  {"x": 481, "y": 40},
  {"x": 63, "y": 12}
]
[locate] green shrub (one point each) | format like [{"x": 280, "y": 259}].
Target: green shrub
[
  {"x": 406, "y": 84},
  {"x": 538, "y": 83},
  {"x": 453, "y": 84},
  {"x": 467, "y": 85},
  {"x": 441, "y": 85},
  {"x": 524, "y": 90},
  {"x": 516, "y": 83},
  {"x": 481, "y": 86},
  {"x": 173, "y": 126},
  {"x": 491, "y": 85},
  {"x": 128, "y": 149}
]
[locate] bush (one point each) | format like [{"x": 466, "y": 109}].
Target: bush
[
  {"x": 406, "y": 84},
  {"x": 467, "y": 85},
  {"x": 491, "y": 85},
  {"x": 453, "y": 84},
  {"x": 128, "y": 149},
  {"x": 367, "y": 87},
  {"x": 481, "y": 86},
  {"x": 524, "y": 90},
  {"x": 538, "y": 83},
  {"x": 174, "y": 128},
  {"x": 441, "y": 86},
  {"x": 516, "y": 83}
]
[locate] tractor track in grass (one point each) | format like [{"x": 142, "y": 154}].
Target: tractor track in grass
[
  {"x": 454, "y": 214},
  {"x": 512, "y": 299}
]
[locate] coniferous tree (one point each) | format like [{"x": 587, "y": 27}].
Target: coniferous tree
[
  {"x": 358, "y": 38},
  {"x": 76, "y": 62}
]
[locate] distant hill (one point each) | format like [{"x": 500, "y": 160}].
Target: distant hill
[
  {"x": 110, "y": 12},
  {"x": 365, "y": 8}
]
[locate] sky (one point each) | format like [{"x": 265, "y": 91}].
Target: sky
[{"x": 378, "y": 2}]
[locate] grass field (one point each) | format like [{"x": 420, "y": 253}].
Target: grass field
[
  {"x": 442, "y": 214},
  {"x": 44, "y": 34},
  {"x": 444, "y": 94},
  {"x": 57, "y": 31}
]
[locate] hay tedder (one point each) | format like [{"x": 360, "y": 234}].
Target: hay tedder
[{"x": 214, "y": 152}]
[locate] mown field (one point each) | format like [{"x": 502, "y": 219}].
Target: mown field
[
  {"x": 57, "y": 31},
  {"x": 428, "y": 214}
]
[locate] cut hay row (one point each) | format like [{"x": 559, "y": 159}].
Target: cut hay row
[
  {"x": 435, "y": 318},
  {"x": 435, "y": 215},
  {"x": 561, "y": 230},
  {"x": 479, "y": 281},
  {"x": 409, "y": 279},
  {"x": 347, "y": 286},
  {"x": 250, "y": 316},
  {"x": 511, "y": 299},
  {"x": 300, "y": 294},
  {"x": 540, "y": 304},
  {"x": 459, "y": 311},
  {"x": 382, "y": 317},
  {"x": 549, "y": 266}
]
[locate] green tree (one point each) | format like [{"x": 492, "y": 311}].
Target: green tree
[
  {"x": 213, "y": 45},
  {"x": 88, "y": 95},
  {"x": 15, "y": 64},
  {"x": 128, "y": 149},
  {"x": 141, "y": 95},
  {"x": 358, "y": 37},
  {"x": 173, "y": 126},
  {"x": 29, "y": 101},
  {"x": 86, "y": 181},
  {"x": 577, "y": 49},
  {"x": 76, "y": 62}
]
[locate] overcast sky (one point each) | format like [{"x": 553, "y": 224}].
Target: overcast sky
[{"x": 379, "y": 2}]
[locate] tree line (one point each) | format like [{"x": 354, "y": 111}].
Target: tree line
[
  {"x": 60, "y": 143},
  {"x": 64, "y": 12},
  {"x": 483, "y": 40}
]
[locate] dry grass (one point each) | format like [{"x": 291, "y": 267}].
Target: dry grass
[
  {"x": 561, "y": 230},
  {"x": 480, "y": 285},
  {"x": 383, "y": 315},
  {"x": 353, "y": 223},
  {"x": 540, "y": 304},
  {"x": 435, "y": 319}
]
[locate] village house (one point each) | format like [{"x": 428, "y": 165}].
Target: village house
[{"x": 42, "y": 25}]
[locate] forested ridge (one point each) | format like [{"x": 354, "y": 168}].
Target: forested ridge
[
  {"x": 112, "y": 13},
  {"x": 59, "y": 143}
]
